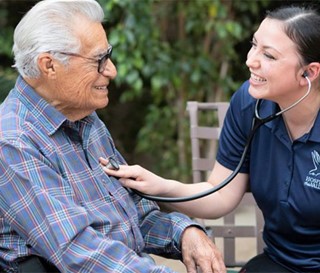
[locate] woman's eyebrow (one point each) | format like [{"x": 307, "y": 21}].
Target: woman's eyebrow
[{"x": 264, "y": 46}]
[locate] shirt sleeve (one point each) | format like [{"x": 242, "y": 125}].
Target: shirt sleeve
[
  {"x": 51, "y": 224},
  {"x": 236, "y": 130},
  {"x": 161, "y": 231}
]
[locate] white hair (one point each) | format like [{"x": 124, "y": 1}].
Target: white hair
[{"x": 49, "y": 26}]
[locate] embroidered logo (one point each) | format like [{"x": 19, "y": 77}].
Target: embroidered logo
[
  {"x": 316, "y": 163},
  {"x": 312, "y": 181}
]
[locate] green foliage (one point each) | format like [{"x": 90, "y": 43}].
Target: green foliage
[
  {"x": 7, "y": 80},
  {"x": 174, "y": 51},
  {"x": 7, "y": 75},
  {"x": 6, "y": 40},
  {"x": 167, "y": 52}
]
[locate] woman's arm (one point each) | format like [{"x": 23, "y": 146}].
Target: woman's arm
[{"x": 212, "y": 206}]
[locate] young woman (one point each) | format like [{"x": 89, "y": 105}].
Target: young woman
[{"x": 283, "y": 163}]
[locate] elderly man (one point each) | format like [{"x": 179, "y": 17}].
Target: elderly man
[{"x": 59, "y": 211}]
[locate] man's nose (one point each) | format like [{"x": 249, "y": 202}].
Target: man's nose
[{"x": 110, "y": 70}]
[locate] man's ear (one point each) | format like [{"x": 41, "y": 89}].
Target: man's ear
[{"x": 47, "y": 65}]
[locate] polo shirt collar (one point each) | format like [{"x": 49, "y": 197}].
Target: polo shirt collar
[
  {"x": 268, "y": 107},
  {"x": 315, "y": 131}
]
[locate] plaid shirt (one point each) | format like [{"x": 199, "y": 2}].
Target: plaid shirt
[{"x": 57, "y": 202}]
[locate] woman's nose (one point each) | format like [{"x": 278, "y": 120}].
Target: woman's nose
[
  {"x": 110, "y": 70},
  {"x": 252, "y": 60}
]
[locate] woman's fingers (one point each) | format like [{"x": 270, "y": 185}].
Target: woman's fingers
[
  {"x": 124, "y": 171},
  {"x": 135, "y": 177}
]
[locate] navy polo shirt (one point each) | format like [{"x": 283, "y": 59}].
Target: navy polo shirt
[{"x": 284, "y": 179}]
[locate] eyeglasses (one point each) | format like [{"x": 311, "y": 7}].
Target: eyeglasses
[{"x": 102, "y": 61}]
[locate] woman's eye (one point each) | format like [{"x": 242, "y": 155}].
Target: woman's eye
[
  {"x": 269, "y": 56},
  {"x": 266, "y": 54}
]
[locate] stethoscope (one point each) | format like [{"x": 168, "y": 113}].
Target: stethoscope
[{"x": 257, "y": 121}]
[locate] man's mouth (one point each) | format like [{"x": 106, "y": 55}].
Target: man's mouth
[{"x": 103, "y": 87}]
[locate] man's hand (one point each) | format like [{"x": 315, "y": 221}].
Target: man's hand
[{"x": 199, "y": 250}]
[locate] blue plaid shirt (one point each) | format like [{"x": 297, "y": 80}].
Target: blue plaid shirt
[{"x": 57, "y": 202}]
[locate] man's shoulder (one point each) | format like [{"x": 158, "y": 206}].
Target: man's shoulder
[
  {"x": 10, "y": 119},
  {"x": 17, "y": 124}
]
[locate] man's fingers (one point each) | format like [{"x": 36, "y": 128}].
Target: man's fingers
[{"x": 190, "y": 266}]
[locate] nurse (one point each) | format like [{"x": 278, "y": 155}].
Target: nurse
[{"x": 282, "y": 167}]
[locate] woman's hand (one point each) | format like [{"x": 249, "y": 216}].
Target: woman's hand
[{"x": 138, "y": 178}]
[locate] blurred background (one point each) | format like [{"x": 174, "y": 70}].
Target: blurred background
[{"x": 167, "y": 52}]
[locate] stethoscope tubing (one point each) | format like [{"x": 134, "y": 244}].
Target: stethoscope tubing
[
  {"x": 215, "y": 188},
  {"x": 257, "y": 121}
]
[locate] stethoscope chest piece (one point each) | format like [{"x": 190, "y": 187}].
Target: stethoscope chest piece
[{"x": 112, "y": 164}]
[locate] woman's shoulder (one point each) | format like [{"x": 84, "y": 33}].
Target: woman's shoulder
[
  {"x": 241, "y": 101},
  {"x": 242, "y": 97}
]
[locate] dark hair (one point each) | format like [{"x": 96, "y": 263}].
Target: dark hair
[{"x": 301, "y": 24}]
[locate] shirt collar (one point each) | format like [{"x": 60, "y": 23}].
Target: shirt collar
[
  {"x": 268, "y": 107},
  {"x": 315, "y": 131},
  {"x": 47, "y": 115}
]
